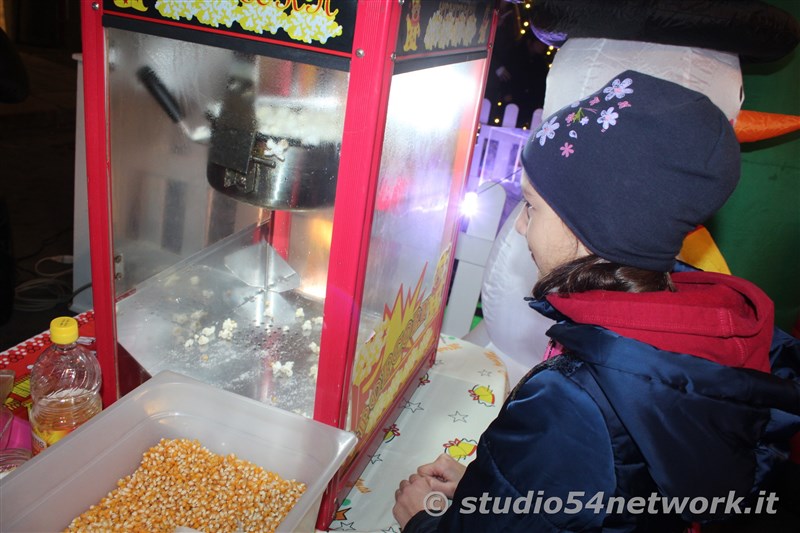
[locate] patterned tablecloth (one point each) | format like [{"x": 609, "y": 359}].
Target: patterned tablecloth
[{"x": 458, "y": 398}]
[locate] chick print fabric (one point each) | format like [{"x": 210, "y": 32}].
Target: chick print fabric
[{"x": 455, "y": 402}]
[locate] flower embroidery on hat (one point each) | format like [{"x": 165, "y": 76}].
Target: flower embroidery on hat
[
  {"x": 548, "y": 130},
  {"x": 579, "y": 114},
  {"x": 618, "y": 89},
  {"x": 608, "y": 118}
]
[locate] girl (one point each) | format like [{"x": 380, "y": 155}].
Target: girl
[{"x": 666, "y": 397}]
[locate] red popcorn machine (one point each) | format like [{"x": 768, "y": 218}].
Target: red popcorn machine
[{"x": 273, "y": 195}]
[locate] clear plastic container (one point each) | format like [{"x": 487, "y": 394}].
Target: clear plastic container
[
  {"x": 50, "y": 490},
  {"x": 11, "y": 458},
  {"x": 65, "y": 386},
  {"x": 6, "y": 423}
]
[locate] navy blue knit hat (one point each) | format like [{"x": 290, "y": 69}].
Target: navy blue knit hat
[{"x": 634, "y": 167}]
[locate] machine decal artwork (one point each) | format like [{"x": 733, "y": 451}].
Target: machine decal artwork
[
  {"x": 412, "y": 27},
  {"x": 385, "y": 361},
  {"x": 313, "y": 22},
  {"x": 138, "y": 5},
  {"x": 436, "y": 26}
]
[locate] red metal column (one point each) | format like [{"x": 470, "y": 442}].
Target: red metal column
[
  {"x": 99, "y": 195},
  {"x": 371, "y": 69}
]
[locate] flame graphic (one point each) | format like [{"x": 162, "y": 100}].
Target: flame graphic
[{"x": 387, "y": 334}]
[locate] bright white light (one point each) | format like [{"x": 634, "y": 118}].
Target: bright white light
[
  {"x": 469, "y": 205},
  {"x": 411, "y": 92}
]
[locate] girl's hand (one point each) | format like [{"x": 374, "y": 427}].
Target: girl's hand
[
  {"x": 444, "y": 474},
  {"x": 411, "y": 498}
]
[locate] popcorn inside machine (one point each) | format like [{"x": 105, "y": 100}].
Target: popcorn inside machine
[{"x": 273, "y": 195}]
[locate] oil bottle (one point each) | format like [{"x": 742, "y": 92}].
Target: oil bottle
[{"x": 65, "y": 386}]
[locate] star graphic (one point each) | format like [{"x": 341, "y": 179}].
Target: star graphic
[
  {"x": 413, "y": 407},
  {"x": 485, "y": 372},
  {"x": 458, "y": 417},
  {"x": 390, "y": 530},
  {"x": 346, "y": 526},
  {"x": 375, "y": 459}
]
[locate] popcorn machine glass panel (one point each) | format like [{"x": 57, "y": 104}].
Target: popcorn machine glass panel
[
  {"x": 426, "y": 142},
  {"x": 223, "y": 166}
]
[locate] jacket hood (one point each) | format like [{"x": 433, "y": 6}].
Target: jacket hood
[{"x": 718, "y": 317}]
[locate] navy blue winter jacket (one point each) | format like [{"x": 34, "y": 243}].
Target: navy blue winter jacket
[{"x": 618, "y": 435}]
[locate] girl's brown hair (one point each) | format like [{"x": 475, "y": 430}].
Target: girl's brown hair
[{"x": 595, "y": 273}]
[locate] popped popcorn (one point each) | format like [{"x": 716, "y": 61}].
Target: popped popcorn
[{"x": 284, "y": 369}]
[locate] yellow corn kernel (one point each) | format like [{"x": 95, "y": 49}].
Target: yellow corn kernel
[{"x": 181, "y": 483}]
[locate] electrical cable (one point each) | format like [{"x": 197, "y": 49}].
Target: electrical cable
[
  {"x": 46, "y": 291},
  {"x": 60, "y": 259}
]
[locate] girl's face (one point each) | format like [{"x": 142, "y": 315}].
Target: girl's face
[{"x": 550, "y": 241}]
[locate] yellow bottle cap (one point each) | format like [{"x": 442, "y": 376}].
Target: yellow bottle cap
[{"x": 63, "y": 330}]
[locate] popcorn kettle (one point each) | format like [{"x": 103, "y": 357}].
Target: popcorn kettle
[{"x": 267, "y": 170}]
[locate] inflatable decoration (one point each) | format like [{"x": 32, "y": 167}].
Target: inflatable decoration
[
  {"x": 752, "y": 126},
  {"x": 751, "y": 29},
  {"x": 696, "y": 44},
  {"x": 516, "y": 331},
  {"x": 584, "y": 63}
]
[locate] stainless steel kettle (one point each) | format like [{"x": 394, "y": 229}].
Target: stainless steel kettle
[{"x": 248, "y": 165}]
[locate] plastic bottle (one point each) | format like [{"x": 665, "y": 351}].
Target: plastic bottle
[{"x": 65, "y": 386}]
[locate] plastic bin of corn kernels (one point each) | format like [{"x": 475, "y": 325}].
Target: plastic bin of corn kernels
[{"x": 48, "y": 492}]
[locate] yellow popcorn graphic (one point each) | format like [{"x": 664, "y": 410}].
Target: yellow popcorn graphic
[
  {"x": 311, "y": 23},
  {"x": 258, "y": 18},
  {"x": 308, "y": 22}
]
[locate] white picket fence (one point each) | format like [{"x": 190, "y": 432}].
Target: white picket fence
[{"x": 495, "y": 177}]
